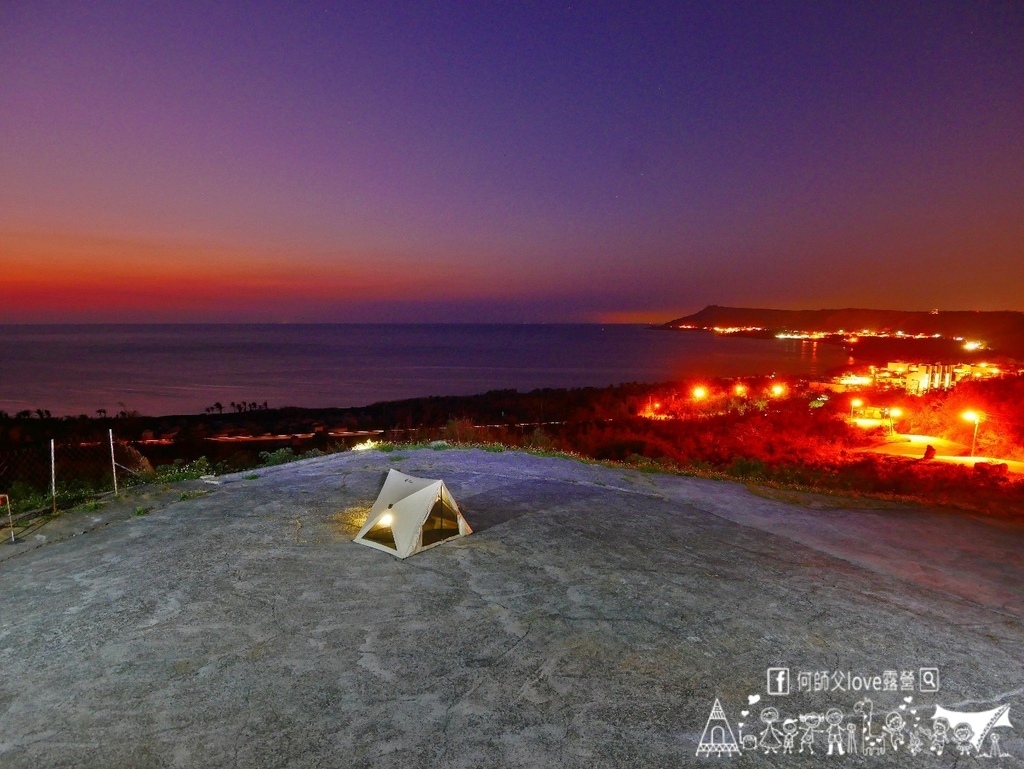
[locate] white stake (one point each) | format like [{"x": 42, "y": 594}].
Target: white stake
[
  {"x": 113, "y": 462},
  {"x": 10, "y": 519},
  {"x": 53, "y": 475}
]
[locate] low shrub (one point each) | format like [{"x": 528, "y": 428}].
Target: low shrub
[
  {"x": 183, "y": 471},
  {"x": 278, "y": 457}
]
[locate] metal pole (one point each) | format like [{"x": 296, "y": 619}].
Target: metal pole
[
  {"x": 10, "y": 518},
  {"x": 113, "y": 462},
  {"x": 974, "y": 440},
  {"x": 53, "y": 475}
]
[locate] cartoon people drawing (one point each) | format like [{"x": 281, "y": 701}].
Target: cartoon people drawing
[
  {"x": 811, "y": 724},
  {"x": 789, "y": 729},
  {"x": 963, "y": 734},
  {"x": 940, "y": 736},
  {"x": 894, "y": 730},
  {"x": 834, "y": 717},
  {"x": 771, "y": 737}
]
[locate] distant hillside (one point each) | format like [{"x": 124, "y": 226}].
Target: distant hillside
[{"x": 1001, "y": 330}]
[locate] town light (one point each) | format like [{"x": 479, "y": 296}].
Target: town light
[
  {"x": 855, "y": 380},
  {"x": 740, "y": 390},
  {"x": 778, "y": 390},
  {"x": 894, "y": 413},
  {"x": 856, "y": 403},
  {"x": 700, "y": 393},
  {"x": 973, "y": 416}
]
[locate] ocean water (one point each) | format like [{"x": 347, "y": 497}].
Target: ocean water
[{"x": 182, "y": 369}]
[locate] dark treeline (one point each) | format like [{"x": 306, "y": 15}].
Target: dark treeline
[
  {"x": 764, "y": 430},
  {"x": 506, "y": 407}
]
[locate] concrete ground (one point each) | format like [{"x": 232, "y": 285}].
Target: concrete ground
[{"x": 591, "y": 621}]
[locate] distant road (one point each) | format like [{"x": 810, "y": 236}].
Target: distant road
[{"x": 945, "y": 451}]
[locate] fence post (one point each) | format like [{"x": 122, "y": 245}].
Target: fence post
[
  {"x": 53, "y": 475},
  {"x": 113, "y": 462},
  {"x": 10, "y": 518}
]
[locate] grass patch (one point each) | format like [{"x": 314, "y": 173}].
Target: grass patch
[
  {"x": 140, "y": 511},
  {"x": 251, "y": 476},
  {"x": 187, "y": 495},
  {"x": 399, "y": 458}
]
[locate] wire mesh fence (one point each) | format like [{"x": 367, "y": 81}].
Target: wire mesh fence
[{"x": 57, "y": 475}]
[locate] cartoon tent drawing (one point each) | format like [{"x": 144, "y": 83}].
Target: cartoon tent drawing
[
  {"x": 410, "y": 515},
  {"x": 718, "y": 738},
  {"x": 981, "y": 723}
]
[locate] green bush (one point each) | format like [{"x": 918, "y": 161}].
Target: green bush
[
  {"x": 279, "y": 457},
  {"x": 183, "y": 471},
  {"x": 26, "y": 497}
]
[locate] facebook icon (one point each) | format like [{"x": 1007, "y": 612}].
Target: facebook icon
[{"x": 778, "y": 681}]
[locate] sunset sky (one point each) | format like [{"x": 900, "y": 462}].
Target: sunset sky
[{"x": 507, "y": 161}]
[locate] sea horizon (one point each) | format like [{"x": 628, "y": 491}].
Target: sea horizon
[{"x": 183, "y": 368}]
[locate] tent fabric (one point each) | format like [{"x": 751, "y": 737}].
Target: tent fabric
[{"x": 410, "y": 515}]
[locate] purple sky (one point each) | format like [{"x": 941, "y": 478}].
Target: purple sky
[{"x": 507, "y": 161}]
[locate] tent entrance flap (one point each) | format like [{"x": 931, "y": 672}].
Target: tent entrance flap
[
  {"x": 442, "y": 523},
  {"x": 382, "y": 535}
]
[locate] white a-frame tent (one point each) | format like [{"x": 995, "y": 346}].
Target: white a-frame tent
[{"x": 410, "y": 515}]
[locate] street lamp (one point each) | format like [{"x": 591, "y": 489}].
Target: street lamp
[
  {"x": 894, "y": 413},
  {"x": 700, "y": 392},
  {"x": 973, "y": 416},
  {"x": 856, "y": 403}
]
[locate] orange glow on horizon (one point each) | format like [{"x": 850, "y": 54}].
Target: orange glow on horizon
[{"x": 68, "y": 278}]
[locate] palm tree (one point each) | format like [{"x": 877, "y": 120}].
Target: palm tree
[
  {"x": 219, "y": 407},
  {"x": 101, "y": 413}
]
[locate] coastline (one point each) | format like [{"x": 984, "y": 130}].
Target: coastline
[{"x": 160, "y": 370}]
